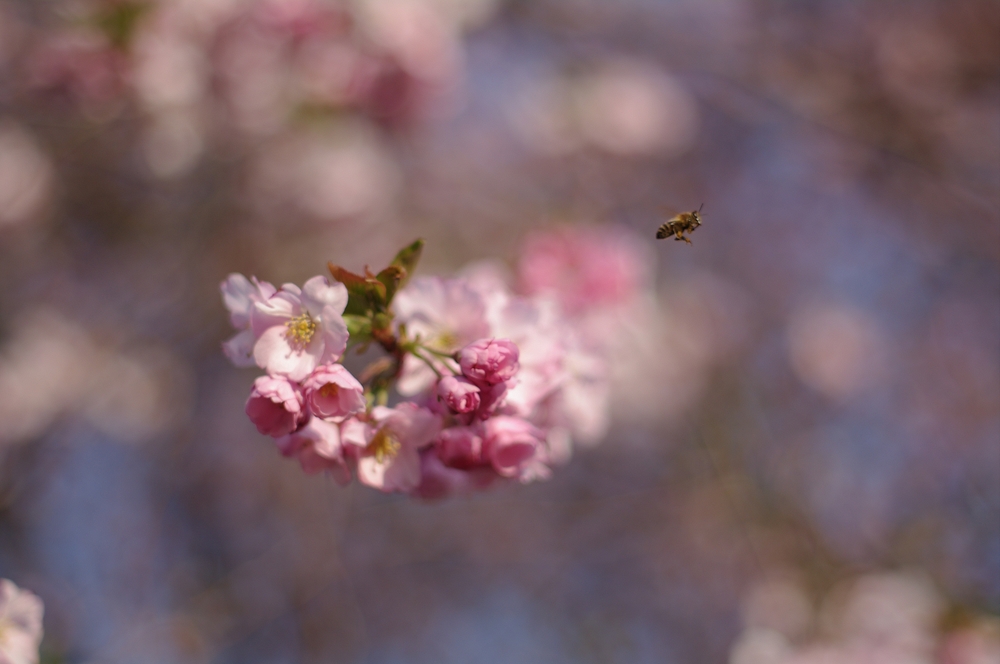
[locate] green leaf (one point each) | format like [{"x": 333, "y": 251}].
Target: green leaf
[
  {"x": 391, "y": 277},
  {"x": 381, "y": 321},
  {"x": 407, "y": 258},
  {"x": 359, "y": 327},
  {"x": 365, "y": 294}
]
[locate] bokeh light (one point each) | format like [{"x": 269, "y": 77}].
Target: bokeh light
[{"x": 801, "y": 460}]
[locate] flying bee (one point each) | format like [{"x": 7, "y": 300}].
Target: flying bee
[{"x": 683, "y": 223}]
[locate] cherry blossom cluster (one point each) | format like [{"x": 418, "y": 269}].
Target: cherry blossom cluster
[
  {"x": 263, "y": 61},
  {"x": 486, "y": 384}
]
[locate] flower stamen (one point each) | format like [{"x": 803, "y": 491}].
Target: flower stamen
[
  {"x": 383, "y": 446},
  {"x": 301, "y": 330},
  {"x": 444, "y": 342}
]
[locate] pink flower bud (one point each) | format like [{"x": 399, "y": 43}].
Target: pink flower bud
[
  {"x": 489, "y": 361},
  {"x": 460, "y": 447},
  {"x": 275, "y": 406},
  {"x": 509, "y": 443},
  {"x": 458, "y": 394},
  {"x": 490, "y": 399},
  {"x": 332, "y": 393}
]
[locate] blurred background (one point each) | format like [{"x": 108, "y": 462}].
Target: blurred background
[{"x": 810, "y": 430}]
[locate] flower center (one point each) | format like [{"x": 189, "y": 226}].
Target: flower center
[
  {"x": 330, "y": 390},
  {"x": 301, "y": 330},
  {"x": 384, "y": 446},
  {"x": 444, "y": 342}
]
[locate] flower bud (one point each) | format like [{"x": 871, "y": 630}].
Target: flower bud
[
  {"x": 458, "y": 394},
  {"x": 490, "y": 398},
  {"x": 489, "y": 361},
  {"x": 332, "y": 393},
  {"x": 275, "y": 406},
  {"x": 509, "y": 443},
  {"x": 460, "y": 447}
]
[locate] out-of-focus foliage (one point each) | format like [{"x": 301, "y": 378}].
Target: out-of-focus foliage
[{"x": 814, "y": 394}]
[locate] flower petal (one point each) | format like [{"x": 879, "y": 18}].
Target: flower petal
[
  {"x": 237, "y": 292},
  {"x": 273, "y": 353},
  {"x": 318, "y": 294},
  {"x": 239, "y": 348},
  {"x": 400, "y": 473},
  {"x": 334, "y": 334}
]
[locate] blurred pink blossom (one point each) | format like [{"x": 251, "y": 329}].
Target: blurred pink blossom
[
  {"x": 20, "y": 624},
  {"x": 978, "y": 643},
  {"x": 584, "y": 268},
  {"x": 539, "y": 333},
  {"x": 80, "y": 65},
  {"x": 26, "y": 175},
  {"x": 461, "y": 447},
  {"x": 510, "y": 443},
  {"x": 882, "y": 618},
  {"x": 317, "y": 446},
  {"x": 442, "y": 314},
  {"x": 275, "y": 406},
  {"x": 438, "y": 480},
  {"x": 239, "y": 294}
]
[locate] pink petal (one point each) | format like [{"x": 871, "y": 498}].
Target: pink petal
[
  {"x": 318, "y": 294},
  {"x": 274, "y": 354}
]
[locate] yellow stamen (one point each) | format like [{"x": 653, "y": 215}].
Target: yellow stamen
[
  {"x": 384, "y": 446},
  {"x": 301, "y": 330},
  {"x": 330, "y": 390},
  {"x": 445, "y": 342}
]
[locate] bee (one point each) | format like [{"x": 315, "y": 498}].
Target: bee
[{"x": 683, "y": 223}]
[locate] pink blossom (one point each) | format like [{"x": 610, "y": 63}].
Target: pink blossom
[
  {"x": 978, "y": 643},
  {"x": 492, "y": 397},
  {"x": 300, "y": 18},
  {"x": 80, "y": 65},
  {"x": 317, "y": 446},
  {"x": 331, "y": 392},
  {"x": 581, "y": 403},
  {"x": 584, "y": 268},
  {"x": 298, "y": 329},
  {"x": 439, "y": 481},
  {"x": 459, "y": 394},
  {"x": 20, "y": 624},
  {"x": 540, "y": 333},
  {"x": 443, "y": 314},
  {"x": 275, "y": 406},
  {"x": 510, "y": 443},
  {"x": 489, "y": 361},
  {"x": 559, "y": 382},
  {"x": 239, "y": 294},
  {"x": 490, "y": 280},
  {"x": 461, "y": 447},
  {"x": 388, "y": 448}
]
